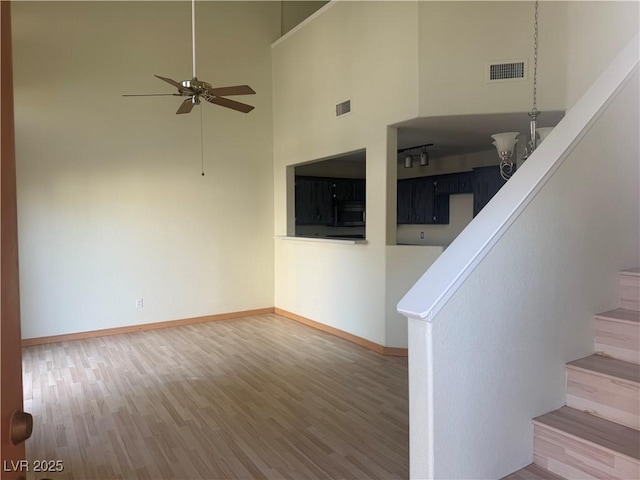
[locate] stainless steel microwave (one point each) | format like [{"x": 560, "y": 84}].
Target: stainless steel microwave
[{"x": 349, "y": 214}]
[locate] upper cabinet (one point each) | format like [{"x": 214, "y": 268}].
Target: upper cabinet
[
  {"x": 425, "y": 200},
  {"x": 314, "y": 201},
  {"x": 486, "y": 183},
  {"x": 348, "y": 190},
  {"x": 419, "y": 204},
  {"x": 453, "y": 183},
  {"x": 317, "y": 198}
]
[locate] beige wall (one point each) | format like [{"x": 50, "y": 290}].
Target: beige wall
[
  {"x": 397, "y": 61},
  {"x": 596, "y": 32},
  {"x": 458, "y": 39},
  {"x": 296, "y": 11},
  {"x": 111, "y": 202},
  {"x": 405, "y": 265},
  {"x": 352, "y": 51}
]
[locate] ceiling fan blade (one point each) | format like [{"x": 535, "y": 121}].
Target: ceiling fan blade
[
  {"x": 179, "y": 86},
  {"x": 151, "y": 95},
  {"x": 234, "y": 90},
  {"x": 225, "y": 102},
  {"x": 185, "y": 107}
]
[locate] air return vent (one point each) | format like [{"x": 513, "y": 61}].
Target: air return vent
[
  {"x": 343, "y": 108},
  {"x": 511, "y": 71}
]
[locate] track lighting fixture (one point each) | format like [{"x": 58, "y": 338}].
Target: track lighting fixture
[
  {"x": 424, "y": 155},
  {"x": 408, "y": 161}
]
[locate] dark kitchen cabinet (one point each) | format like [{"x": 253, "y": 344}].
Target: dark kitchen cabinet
[
  {"x": 465, "y": 180},
  {"x": 316, "y": 197},
  {"x": 447, "y": 184},
  {"x": 441, "y": 210},
  {"x": 486, "y": 183},
  {"x": 359, "y": 190},
  {"x": 422, "y": 200},
  {"x": 314, "y": 201},
  {"x": 403, "y": 213},
  {"x": 417, "y": 202},
  {"x": 454, "y": 183},
  {"x": 425, "y": 200},
  {"x": 349, "y": 190}
]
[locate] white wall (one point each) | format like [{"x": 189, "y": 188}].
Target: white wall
[
  {"x": 328, "y": 283},
  {"x": 596, "y": 31},
  {"x": 495, "y": 319},
  {"x": 295, "y": 11},
  {"x": 458, "y": 39},
  {"x": 359, "y": 51},
  {"x": 405, "y": 265},
  {"x": 500, "y": 344},
  {"x": 111, "y": 202}
]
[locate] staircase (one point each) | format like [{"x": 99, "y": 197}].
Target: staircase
[{"x": 596, "y": 435}]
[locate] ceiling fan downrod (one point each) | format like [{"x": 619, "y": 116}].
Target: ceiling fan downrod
[{"x": 193, "y": 36}]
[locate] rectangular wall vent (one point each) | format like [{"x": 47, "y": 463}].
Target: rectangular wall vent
[
  {"x": 511, "y": 71},
  {"x": 343, "y": 108}
]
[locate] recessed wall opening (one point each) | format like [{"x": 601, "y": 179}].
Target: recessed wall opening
[{"x": 330, "y": 197}]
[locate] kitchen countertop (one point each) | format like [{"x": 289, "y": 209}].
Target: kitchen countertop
[{"x": 340, "y": 240}]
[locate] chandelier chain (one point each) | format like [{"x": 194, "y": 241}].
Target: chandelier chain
[{"x": 535, "y": 60}]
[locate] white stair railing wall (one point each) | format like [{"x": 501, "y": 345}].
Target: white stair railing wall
[{"x": 496, "y": 317}]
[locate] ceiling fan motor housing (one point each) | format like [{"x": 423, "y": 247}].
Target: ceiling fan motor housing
[{"x": 196, "y": 86}]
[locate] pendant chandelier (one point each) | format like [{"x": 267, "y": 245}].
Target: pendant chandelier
[{"x": 505, "y": 143}]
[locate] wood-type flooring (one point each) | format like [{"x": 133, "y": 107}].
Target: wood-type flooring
[{"x": 254, "y": 398}]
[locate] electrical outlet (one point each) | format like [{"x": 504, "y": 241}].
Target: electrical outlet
[
  {"x": 421, "y": 235},
  {"x": 139, "y": 303}
]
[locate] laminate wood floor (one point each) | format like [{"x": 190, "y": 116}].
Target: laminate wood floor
[{"x": 254, "y": 398}]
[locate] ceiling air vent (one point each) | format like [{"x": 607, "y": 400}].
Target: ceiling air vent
[
  {"x": 343, "y": 108},
  {"x": 512, "y": 71}
]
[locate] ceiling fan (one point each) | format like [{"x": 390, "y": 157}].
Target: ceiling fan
[{"x": 198, "y": 90}]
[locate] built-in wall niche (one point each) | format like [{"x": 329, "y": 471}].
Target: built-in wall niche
[{"x": 330, "y": 197}]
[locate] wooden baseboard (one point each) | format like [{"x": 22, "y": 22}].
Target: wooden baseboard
[
  {"x": 363, "y": 342},
  {"x": 27, "y": 342},
  {"x": 395, "y": 351}
]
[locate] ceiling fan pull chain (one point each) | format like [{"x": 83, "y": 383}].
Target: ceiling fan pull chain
[
  {"x": 193, "y": 35},
  {"x": 201, "y": 143}
]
